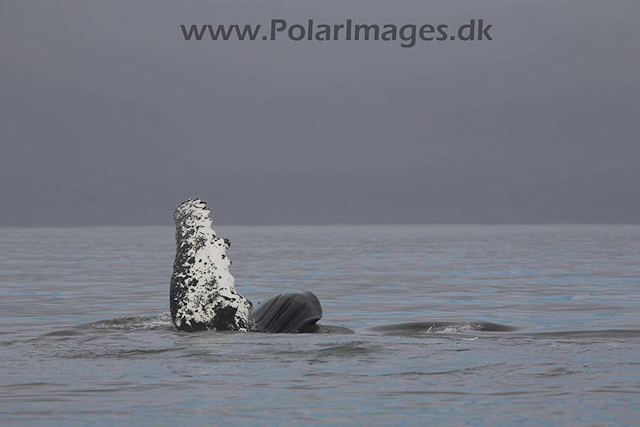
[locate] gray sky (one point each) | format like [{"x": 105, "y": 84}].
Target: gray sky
[{"x": 107, "y": 116}]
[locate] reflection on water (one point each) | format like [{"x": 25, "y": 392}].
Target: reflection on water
[{"x": 440, "y": 324}]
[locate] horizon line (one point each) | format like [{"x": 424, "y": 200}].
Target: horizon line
[{"x": 107, "y": 225}]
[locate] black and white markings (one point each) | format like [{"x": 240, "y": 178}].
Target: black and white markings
[{"x": 203, "y": 294}]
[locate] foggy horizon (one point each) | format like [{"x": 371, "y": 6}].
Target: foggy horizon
[{"x": 109, "y": 117}]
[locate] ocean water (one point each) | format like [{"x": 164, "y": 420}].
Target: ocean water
[{"x": 456, "y": 325}]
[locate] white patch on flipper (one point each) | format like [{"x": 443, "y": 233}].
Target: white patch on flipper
[{"x": 202, "y": 288}]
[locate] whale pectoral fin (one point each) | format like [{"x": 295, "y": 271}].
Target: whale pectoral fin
[
  {"x": 288, "y": 313},
  {"x": 202, "y": 293}
]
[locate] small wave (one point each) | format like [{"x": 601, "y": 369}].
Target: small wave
[
  {"x": 347, "y": 350},
  {"x": 62, "y": 333},
  {"x": 162, "y": 321},
  {"x": 331, "y": 329},
  {"x": 83, "y": 332},
  {"x": 119, "y": 353},
  {"x": 557, "y": 372},
  {"x": 429, "y": 328},
  {"x": 603, "y": 334},
  {"x": 421, "y": 328}
]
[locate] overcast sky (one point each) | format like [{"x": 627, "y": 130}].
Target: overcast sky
[{"x": 108, "y": 116}]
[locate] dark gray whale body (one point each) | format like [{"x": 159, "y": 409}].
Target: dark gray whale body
[
  {"x": 203, "y": 295},
  {"x": 287, "y": 313}
]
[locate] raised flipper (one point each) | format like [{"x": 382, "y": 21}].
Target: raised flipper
[
  {"x": 287, "y": 313},
  {"x": 203, "y": 294}
]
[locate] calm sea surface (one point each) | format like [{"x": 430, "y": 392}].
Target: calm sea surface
[{"x": 85, "y": 337}]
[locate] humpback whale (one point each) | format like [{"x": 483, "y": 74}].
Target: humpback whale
[
  {"x": 203, "y": 294},
  {"x": 288, "y": 313}
]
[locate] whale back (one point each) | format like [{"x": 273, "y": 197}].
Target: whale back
[{"x": 287, "y": 313}]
